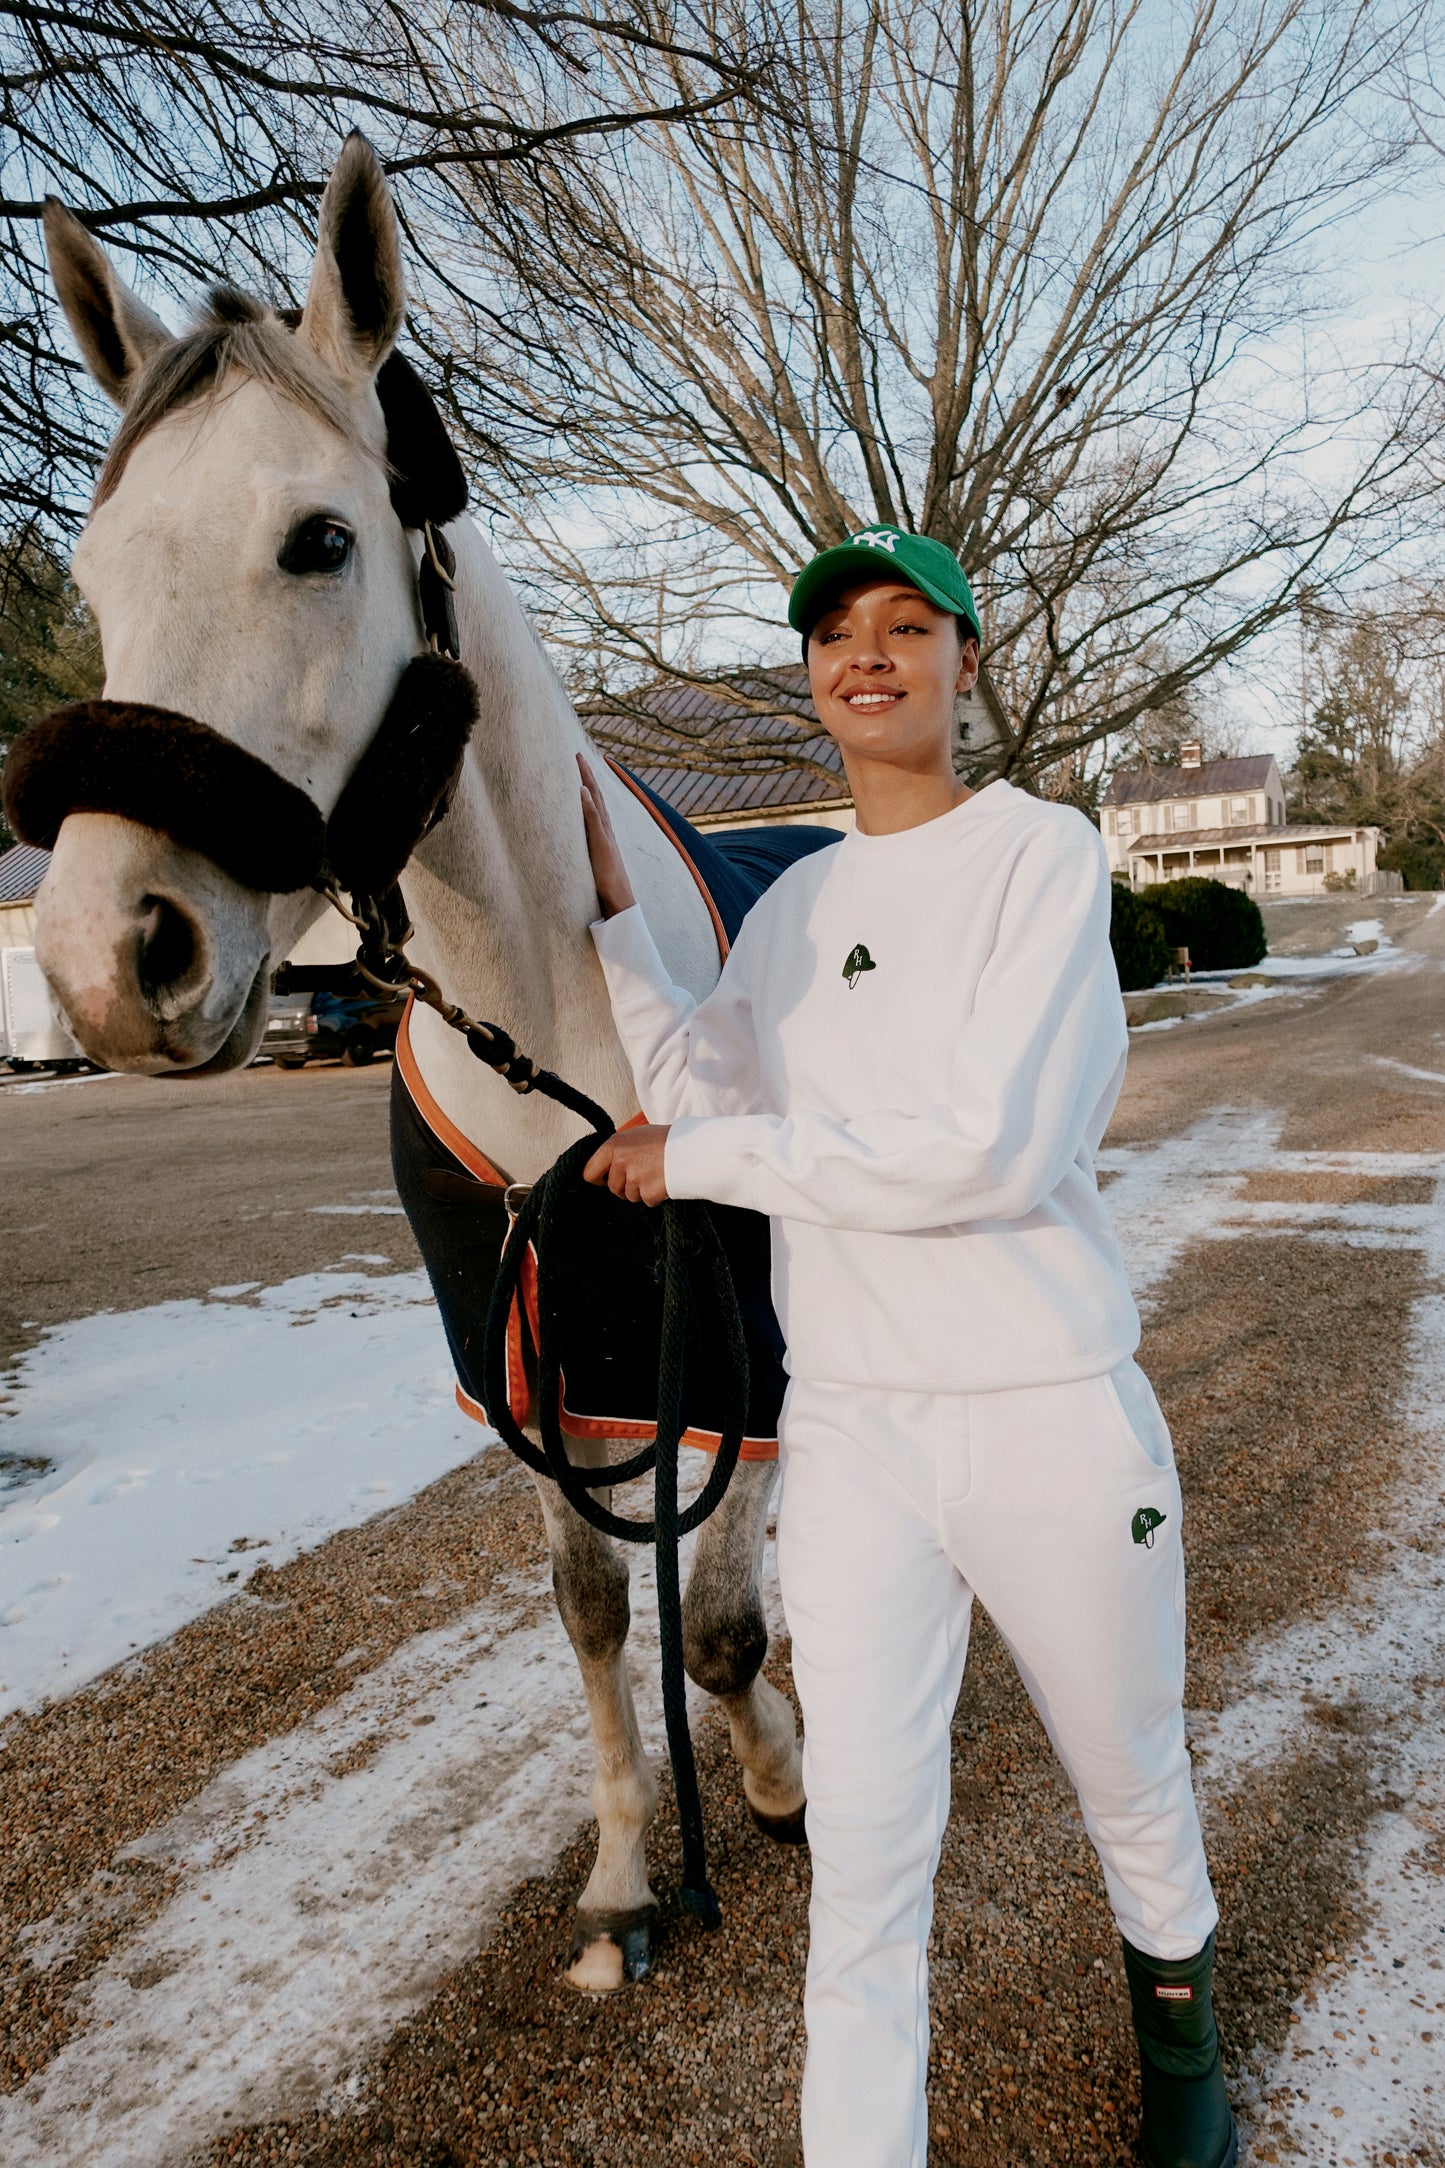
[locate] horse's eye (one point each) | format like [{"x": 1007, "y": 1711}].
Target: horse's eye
[{"x": 317, "y": 545}]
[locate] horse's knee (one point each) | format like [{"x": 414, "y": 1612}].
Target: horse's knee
[
  {"x": 590, "y": 1584},
  {"x": 723, "y": 1644}
]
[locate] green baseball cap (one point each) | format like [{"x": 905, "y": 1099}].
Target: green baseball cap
[{"x": 917, "y": 558}]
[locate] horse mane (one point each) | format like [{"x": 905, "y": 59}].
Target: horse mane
[{"x": 234, "y": 331}]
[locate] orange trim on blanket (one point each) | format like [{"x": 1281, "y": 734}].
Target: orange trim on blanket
[
  {"x": 588, "y": 1426},
  {"x": 441, "y": 1125},
  {"x": 445, "y": 1130},
  {"x": 682, "y": 851}
]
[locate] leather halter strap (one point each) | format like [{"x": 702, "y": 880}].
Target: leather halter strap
[{"x": 169, "y": 772}]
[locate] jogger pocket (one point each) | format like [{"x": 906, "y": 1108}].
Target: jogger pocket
[{"x": 1140, "y": 1414}]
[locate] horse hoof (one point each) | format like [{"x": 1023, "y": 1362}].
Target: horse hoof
[
  {"x": 609, "y": 1950},
  {"x": 782, "y": 1828}
]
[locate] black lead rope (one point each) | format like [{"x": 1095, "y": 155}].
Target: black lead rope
[
  {"x": 697, "y": 1282},
  {"x": 696, "y": 1278}
]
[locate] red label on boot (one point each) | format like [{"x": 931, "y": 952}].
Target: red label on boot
[{"x": 1175, "y": 1994}]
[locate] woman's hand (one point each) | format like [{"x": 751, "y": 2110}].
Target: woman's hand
[
  {"x": 630, "y": 1164},
  {"x": 609, "y": 868}
]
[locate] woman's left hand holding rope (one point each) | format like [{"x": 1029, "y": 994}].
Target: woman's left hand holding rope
[{"x": 630, "y": 1165}]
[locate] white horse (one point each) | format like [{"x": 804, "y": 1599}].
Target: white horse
[{"x": 241, "y": 444}]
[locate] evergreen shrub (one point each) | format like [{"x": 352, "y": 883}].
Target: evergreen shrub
[
  {"x": 1422, "y": 864},
  {"x": 1136, "y": 935},
  {"x": 1222, "y": 928}
]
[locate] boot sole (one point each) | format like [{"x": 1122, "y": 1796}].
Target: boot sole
[{"x": 1229, "y": 2158}]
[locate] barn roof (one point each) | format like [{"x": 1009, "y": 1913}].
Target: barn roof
[
  {"x": 1212, "y": 779},
  {"x": 21, "y": 872},
  {"x": 730, "y": 735}
]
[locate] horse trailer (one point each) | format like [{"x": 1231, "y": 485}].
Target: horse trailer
[{"x": 33, "y": 1034}]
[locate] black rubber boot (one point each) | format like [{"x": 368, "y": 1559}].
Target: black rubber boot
[{"x": 1186, "y": 2123}]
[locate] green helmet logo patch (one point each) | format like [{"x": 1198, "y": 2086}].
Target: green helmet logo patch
[
  {"x": 1144, "y": 1523},
  {"x": 858, "y": 962}
]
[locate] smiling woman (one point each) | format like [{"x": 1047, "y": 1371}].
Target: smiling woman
[
  {"x": 908, "y": 1063},
  {"x": 885, "y": 666}
]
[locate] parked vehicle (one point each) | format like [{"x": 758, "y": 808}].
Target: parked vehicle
[
  {"x": 33, "y": 1034},
  {"x": 285, "y": 1039},
  {"x": 323, "y": 1026}
]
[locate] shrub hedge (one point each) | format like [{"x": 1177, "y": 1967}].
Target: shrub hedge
[
  {"x": 1422, "y": 864},
  {"x": 1221, "y": 927},
  {"x": 1136, "y": 935}
]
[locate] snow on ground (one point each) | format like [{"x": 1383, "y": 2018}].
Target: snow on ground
[
  {"x": 179, "y": 1436},
  {"x": 1274, "y": 974},
  {"x": 325, "y": 1882},
  {"x": 1339, "y": 963},
  {"x": 316, "y": 1909},
  {"x": 1363, "y": 2076},
  {"x": 1405, "y": 1068},
  {"x": 10, "y": 1079}
]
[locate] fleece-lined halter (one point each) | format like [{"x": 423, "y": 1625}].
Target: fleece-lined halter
[{"x": 180, "y": 777}]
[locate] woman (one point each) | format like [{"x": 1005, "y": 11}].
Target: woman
[{"x": 908, "y": 1062}]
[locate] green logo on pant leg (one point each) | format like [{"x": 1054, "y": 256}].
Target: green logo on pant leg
[
  {"x": 858, "y": 962},
  {"x": 1144, "y": 1523}
]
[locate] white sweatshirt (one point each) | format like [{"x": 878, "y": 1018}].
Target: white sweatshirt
[{"x": 908, "y": 1062}]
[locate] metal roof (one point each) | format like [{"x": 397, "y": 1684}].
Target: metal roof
[
  {"x": 733, "y": 737},
  {"x": 1212, "y": 779},
  {"x": 21, "y": 872},
  {"x": 729, "y": 736},
  {"x": 1276, "y": 838}
]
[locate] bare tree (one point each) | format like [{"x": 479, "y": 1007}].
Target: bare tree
[
  {"x": 1050, "y": 280},
  {"x": 196, "y": 134},
  {"x": 1371, "y": 746}
]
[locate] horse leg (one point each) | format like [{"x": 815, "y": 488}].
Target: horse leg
[
  {"x": 612, "y": 1937},
  {"x": 725, "y": 1638}
]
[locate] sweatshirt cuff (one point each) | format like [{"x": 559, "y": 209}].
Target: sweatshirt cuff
[
  {"x": 624, "y": 938},
  {"x": 710, "y": 1156}
]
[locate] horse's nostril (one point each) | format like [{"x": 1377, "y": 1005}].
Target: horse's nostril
[{"x": 167, "y": 946}]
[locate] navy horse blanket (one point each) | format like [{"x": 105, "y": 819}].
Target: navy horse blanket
[{"x": 605, "y": 1285}]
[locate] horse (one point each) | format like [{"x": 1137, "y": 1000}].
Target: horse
[{"x": 248, "y": 570}]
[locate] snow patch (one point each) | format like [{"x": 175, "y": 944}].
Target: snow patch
[
  {"x": 356, "y": 1211},
  {"x": 1363, "y": 2073},
  {"x": 1405, "y": 1068},
  {"x": 166, "y": 1438},
  {"x": 328, "y": 1882}
]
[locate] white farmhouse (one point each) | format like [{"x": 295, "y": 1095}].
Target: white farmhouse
[{"x": 1225, "y": 819}]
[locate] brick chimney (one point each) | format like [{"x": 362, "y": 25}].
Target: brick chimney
[{"x": 1191, "y": 754}]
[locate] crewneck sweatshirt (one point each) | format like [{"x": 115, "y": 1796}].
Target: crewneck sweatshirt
[{"x": 908, "y": 1063}]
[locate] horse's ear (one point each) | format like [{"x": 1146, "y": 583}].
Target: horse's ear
[
  {"x": 116, "y": 333},
  {"x": 357, "y": 296}
]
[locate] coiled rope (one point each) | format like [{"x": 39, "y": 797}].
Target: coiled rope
[{"x": 697, "y": 1282}]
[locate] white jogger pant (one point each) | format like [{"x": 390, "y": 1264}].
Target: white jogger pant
[{"x": 897, "y": 1508}]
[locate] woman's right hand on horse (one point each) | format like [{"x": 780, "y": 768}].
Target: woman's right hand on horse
[{"x": 609, "y": 868}]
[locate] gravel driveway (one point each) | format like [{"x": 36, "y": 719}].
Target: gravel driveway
[{"x": 1276, "y": 1174}]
